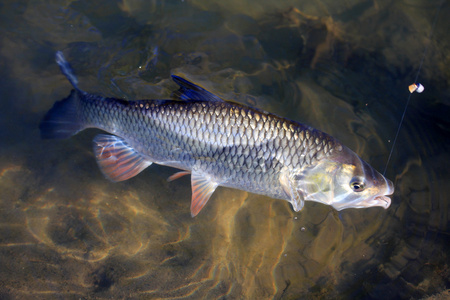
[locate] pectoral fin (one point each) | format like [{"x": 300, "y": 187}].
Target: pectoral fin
[
  {"x": 202, "y": 189},
  {"x": 296, "y": 196},
  {"x": 117, "y": 160}
]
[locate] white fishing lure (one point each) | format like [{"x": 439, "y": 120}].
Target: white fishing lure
[{"x": 416, "y": 87}]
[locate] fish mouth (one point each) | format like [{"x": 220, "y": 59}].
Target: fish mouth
[{"x": 383, "y": 201}]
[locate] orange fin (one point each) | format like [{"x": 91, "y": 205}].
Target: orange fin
[
  {"x": 202, "y": 189},
  {"x": 116, "y": 159},
  {"x": 178, "y": 175}
]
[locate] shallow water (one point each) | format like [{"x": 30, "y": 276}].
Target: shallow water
[{"x": 67, "y": 232}]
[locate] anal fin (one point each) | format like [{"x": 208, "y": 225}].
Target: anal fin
[
  {"x": 117, "y": 160},
  {"x": 202, "y": 189}
]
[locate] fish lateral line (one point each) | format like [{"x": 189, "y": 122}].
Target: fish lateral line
[{"x": 219, "y": 143}]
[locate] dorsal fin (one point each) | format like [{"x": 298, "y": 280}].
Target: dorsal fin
[{"x": 190, "y": 91}]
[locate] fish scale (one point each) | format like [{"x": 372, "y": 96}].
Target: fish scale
[
  {"x": 219, "y": 143},
  {"x": 164, "y": 138}
]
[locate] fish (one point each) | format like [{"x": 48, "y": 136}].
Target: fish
[{"x": 217, "y": 143}]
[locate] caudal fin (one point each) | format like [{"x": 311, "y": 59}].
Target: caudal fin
[
  {"x": 66, "y": 69},
  {"x": 62, "y": 120}
]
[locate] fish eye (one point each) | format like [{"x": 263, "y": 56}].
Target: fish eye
[{"x": 357, "y": 184}]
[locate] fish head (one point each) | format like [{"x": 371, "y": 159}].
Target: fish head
[
  {"x": 359, "y": 185},
  {"x": 342, "y": 180}
]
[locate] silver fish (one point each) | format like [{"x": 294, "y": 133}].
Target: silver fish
[{"x": 219, "y": 143}]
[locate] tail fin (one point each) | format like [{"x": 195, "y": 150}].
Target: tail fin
[
  {"x": 66, "y": 69},
  {"x": 62, "y": 120}
]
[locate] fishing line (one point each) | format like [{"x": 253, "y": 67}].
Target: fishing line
[{"x": 416, "y": 84}]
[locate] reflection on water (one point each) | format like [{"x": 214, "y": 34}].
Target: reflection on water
[{"x": 66, "y": 231}]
